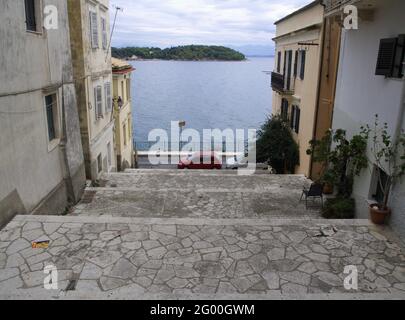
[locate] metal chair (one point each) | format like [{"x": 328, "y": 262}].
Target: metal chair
[{"x": 314, "y": 192}]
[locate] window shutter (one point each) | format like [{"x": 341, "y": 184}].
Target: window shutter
[
  {"x": 95, "y": 104},
  {"x": 289, "y": 69},
  {"x": 292, "y": 117},
  {"x": 104, "y": 31},
  {"x": 278, "y": 61},
  {"x": 100, "y": 101},
  {"x": 107, "y": 90},
  {"x": 302, "y": 71},
  {"x": 399, "y": 57},
  {"x": 297, "y": 119},
  {"x": 128, "y": 89},
  {"x": 94, "y": 30},
  {"x": 49, "y": 102},
  {"x": 284, "y": 109},
  {"x": 30, "y": 15},
  {"x": 296, "y": 64},
  {"x": 386, "y": 57}
]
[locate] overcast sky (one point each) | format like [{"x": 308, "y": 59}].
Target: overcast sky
[{"x": 165, "y": 23}]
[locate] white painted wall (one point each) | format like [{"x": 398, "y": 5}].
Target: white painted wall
[{"x": 361, "y": 94}]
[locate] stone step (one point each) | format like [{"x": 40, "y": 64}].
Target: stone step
[
  {"x": 196, "y": 203},
  {"x": 168, "y": 179},
  {"x": 174, "y": 171},
  {"x": 132, "y": 258}
]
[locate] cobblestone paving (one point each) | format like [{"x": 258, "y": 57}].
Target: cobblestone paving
[
  {"x": 188, "y": 257},
  {"x": 199, "y": 194}
]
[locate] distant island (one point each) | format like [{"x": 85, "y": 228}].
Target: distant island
[{"x": 184, "y": 53}]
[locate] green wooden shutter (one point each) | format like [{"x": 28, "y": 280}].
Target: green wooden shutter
[
  {"x": 302, "y": 71},
  {"x": 297, "y": 119}
]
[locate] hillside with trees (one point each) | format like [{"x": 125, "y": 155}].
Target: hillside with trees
[{"x": 189, "y": 53}]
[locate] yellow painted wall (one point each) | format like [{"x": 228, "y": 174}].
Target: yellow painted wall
[
  {"x": 123, "y": 118},
  {"x": 305, "y": 91}
]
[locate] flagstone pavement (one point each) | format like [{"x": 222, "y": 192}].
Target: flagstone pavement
[{"x": 137, "y": 257}]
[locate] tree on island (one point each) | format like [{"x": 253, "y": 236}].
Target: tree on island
[{"x": 192, "y": 53}]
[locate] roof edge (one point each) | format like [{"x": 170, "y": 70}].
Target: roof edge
[{"x": 308, "y": 6}]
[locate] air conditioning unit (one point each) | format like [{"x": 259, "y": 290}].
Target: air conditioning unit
[{"x": 391, "y": 57}]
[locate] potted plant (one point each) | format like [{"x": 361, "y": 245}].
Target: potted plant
[
  {"x": 328, "y": 180},
  {"x": 388, "y": 155},
  {"x": 320, "y": 152},
  {"x": 342, "y": 159}
]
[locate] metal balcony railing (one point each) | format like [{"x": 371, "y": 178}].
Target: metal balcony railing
[
  {"x": 279, "y": 83},
  {"x": 184, "y": 146}
]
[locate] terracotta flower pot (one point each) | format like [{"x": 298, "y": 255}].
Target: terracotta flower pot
[
  {"x": 328, "y": 188},
  {"x": 378, "y": 215}
]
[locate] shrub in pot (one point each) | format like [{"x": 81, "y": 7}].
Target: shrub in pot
[
  {"x": 328, "y": 181},
  {"x": 342, "y": 159},
  {"x": 387, "y": 154}
]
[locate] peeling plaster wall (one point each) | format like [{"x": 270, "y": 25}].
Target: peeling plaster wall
[
  {"x": 92, "y": 67},
  {"x": 31, "y": 66}
]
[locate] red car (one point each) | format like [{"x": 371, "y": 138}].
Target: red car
[{"x": 201, "y": 160}]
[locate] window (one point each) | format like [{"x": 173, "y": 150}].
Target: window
[
  {"x": 98, "y": 102},
  {"x": 109, "y": 154},
  {"x": 99, "y": 163},
  {"x": 128, "y": 89},
  {"x": 278, "y": 62},
  {"x": 52, "y": 116},
  {"x": 285, "y": 63},
  {"x": 391, "y": 56},
  {"x": 284, "y": 109},
  {"x": 124, "y": 131},
  {"x": 104, "y": 32},
  {"x": 93, "y": 30},
  {"x": 108, "y": 101},
  {"x": 30, "y": 15},
  {"x": 380, "y": 180},
  {"x": 302, "y": 64},
  {"x": 295, "y": 118}
]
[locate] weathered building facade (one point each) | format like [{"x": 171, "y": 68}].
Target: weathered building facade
[
  {"x": 89, "y": 32},
  {"x": 41, "y": 156},
  {"x": 296, "y": 75},
  {"x": 371, "y": 81},
  {"x": 124, "y": 146}
]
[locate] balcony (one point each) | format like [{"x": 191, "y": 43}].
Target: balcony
[{"x": 280, "y": 84}]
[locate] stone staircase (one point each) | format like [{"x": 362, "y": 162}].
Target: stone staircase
[
  {"x": 168, "y": 234},
  {"x": 197, "y": 194}
]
